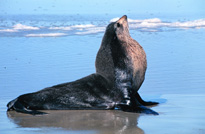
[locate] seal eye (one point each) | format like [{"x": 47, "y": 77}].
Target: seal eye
[{"x": 118, "y": 24}]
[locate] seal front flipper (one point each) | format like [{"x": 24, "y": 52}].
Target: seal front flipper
[
  {"x": 145, "y": 103},
  {"x": 19, "y": 107}
]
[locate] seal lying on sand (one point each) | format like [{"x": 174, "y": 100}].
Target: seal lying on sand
[{"x": 120, "y": 71}]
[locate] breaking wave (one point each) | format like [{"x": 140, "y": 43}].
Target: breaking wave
[
  {"x": 146, "y": 25},
  {"x": 46, "y": 35},
  {"x": 157, "y": 23},
  {"x": 78, "y": 27},
  {"x": 24, "y": 27}
]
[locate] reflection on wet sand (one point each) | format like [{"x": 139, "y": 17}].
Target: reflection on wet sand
[{"x": 99, "y": 121}]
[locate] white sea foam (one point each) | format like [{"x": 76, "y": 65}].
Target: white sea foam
[
  {"x": 46, "y": 35},
  {"x": 24, "y": 27},
  {"x": 83, "y": 26},
  {"x": 60, "y": 28},
  {"x": 157, "y": 23},
  {"x": 153, "y": 20},
  {"x": 91, "y": 31},
  {"x": 18, "y": 27},
  {"x": 74, "y": 27},
  {"x": 8, "y": 30},
  {"x": 190, "y": 24},
  {"x": 145, "y": 25}
]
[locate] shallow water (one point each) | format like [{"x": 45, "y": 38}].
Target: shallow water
[{"x": 175, "y": 75}]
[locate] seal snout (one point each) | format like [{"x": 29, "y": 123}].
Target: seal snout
[{"x": 122, "y": 19}]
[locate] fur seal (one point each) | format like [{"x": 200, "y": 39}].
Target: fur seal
[
  {"x": 120, "y": 71},
  {"x": 122, "y": 61}
]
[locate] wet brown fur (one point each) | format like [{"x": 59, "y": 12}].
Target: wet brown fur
[{"x": 134, "y": 51}]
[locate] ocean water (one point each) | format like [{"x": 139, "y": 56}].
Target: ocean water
[{"x": 39, "y": 51}]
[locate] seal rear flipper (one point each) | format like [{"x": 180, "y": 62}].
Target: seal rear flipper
[
  {"x": 19, "y": 107},
  {"x": 137, "y": 109},
  {"x": 10, "y": 104}
]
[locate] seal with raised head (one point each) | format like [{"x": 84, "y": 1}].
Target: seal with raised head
[
  {"x": 122, "y": 61},
  {"x": 120, "y": 70}
]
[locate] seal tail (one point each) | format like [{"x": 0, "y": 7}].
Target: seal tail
[{"x": 19, "y": 107}]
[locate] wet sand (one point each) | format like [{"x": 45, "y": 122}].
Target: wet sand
[
  {"x": 175, "y": 78},
  {"x": 178, "y": 113},
  {"x": 181, "y": 114},
  {"x": 103, "y": 122}
]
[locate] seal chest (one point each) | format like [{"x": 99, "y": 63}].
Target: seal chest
[{"x": 118, "y": 46}]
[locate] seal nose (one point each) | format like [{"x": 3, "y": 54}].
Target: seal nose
[{"x": 122, "y": 19}]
